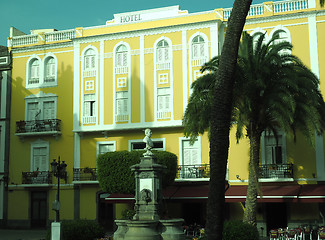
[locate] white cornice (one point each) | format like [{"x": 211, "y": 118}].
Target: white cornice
[
  {"x": 283, "y": 17},
  {"x": 42, "y": 47},
  {"x": 147, "y": 32}
]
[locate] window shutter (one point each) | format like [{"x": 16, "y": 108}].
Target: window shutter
[
  {"x": 125, "y": 60},
  {"x": 159, "y": 55},
  {"x": 87, "y": 109},
  {"x": 93, "y": 62},
  {"x": 32, "y": 109},
  {"x": 202, "y": 49},
  {"x": 48, "y": 110},
  {"x": 166, "y": 50},
  {"x": 195, "y": 51},
  {"x": 268, "y": 155},
  {"x": 186, "y": 156}
]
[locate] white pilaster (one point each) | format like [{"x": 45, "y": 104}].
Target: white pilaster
[
  {"x": 3, "y": 100},
  {"x": 76, "y": 150},
  {"x": 101, "y": 87},
  {"x": 314, "y": 65},
  {"x": 214, "y": 40},
  {"x": 312, "y": 3},
  {"x": 184, "y": 68},
  {"x": 76, "y": 87},
  {"x": 142, "y": 77}
]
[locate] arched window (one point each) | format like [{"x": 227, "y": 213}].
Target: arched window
[
  {"x": 50, "y": 70},
  {"x": 281, "y": 36},
  {"x": 198, "y": 47},
  {"x": 162, "y": 52},
  {"x": 90, "y": 62},
  {"x": 121, "y": 56},
  {"x": 34, "y": 72}
]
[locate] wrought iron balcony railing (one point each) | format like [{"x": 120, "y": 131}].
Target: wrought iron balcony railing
[
  {"x": 193, "y": 171},
  {"x": 37, "y": 177},
  {"x": 85, "y": 174},
  {"x": 276, "y": 171},
  {"x": 37, "y": 126}
]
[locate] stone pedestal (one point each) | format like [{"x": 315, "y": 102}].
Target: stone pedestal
[
  {"x": 55, "y": 230},
  {"x": 122, "y": 228},
  {"x": 148, "y": 194},
  {"x": 142, "y": 230},
  {"x": 172, "y": 229}
]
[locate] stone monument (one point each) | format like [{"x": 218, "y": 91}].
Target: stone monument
[{"x": 146, "y": 224}]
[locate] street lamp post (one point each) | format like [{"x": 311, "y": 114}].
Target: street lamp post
[{"x": 59, "y": 171}]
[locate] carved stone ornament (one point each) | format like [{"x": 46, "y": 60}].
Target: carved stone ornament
[{"x": 149, "y": 143}]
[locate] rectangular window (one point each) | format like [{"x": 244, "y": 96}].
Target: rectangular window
[
  {"x": 198, "y": 50},
  {"x": 121, "y": 59},
  {"x": 104, "y": 147},
  {"x": 89, "y": 105},
  {"x": 273, "y": 150},
  {"x": 40, "y": 159},
  {"x": 90, "y": 62},
  {"x": 163, "y": 99},
  {"x": 32, "y": 111},
  {"x": 122, "y": 103},
  {"x": 48, "y": 110},
  {"x": 158, "y": 144},
  {"x": 191, "y": 154}
]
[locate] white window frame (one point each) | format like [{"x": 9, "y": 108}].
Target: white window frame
[
  {"x": 163, "y": 140},
  {"x": 104, "y": 143},
  {"x": 53, "y": 70},
  {"x": 181, "y": 157},
  {"x": 126, "y": 99},
  {"x": 42, "y": 72},
  {"x": 124, "y": 53},
  {"x": 282, "y": 136},
  {"x": 40, "y": 144},
  {"x": 164, "y": 113},
  {"x": 90, "y": 57},
  {"x": 92, "y": 107},
  {"x": 40, "y": 98},
  {"x": 164, "y": 50}
]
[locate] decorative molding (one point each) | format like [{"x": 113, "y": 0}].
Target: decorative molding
[
  {"x": 148, "y": 51},
  {"x": 178, "y": 47},
  {"x": 135, "y": 52},
  {"x": 44, "y": 47},
  {"x": 147, "y": 32}
]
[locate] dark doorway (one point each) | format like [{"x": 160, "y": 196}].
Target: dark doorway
[
  {"x": 38, "y": 209},
  {"x": 194, "y": 213},
  {"x": 276, "y": 216},
  {"x": 105, "y": 213}
]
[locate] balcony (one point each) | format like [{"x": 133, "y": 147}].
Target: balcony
[
  {"x": 276, "y": 171},
  {"x": 85, "y": 174},
  {"x": 38, "y": 127},
  {"x": 37, "y": 177},
  {"x": 193, "y": 171}
]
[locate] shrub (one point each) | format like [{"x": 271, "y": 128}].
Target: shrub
[
  {"x": 115, "y": 175},
  {"x": 240, "y": 231},
  {"x": 128, "y": 214},
  {"x": 80, "y": 230}
]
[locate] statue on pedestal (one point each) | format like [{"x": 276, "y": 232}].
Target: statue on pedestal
[{"x": 149, "y": 143}]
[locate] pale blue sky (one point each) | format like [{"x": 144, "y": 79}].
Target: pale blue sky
[{"x": 68, "y": 14}]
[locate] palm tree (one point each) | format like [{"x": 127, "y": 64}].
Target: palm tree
[
  {"x": 279, "y": 93},
  {"x": 321, "y": 2},
  {"x": 220, "y": 123}
]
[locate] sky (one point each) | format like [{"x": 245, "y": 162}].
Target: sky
[{"x": 27, "y": 15}]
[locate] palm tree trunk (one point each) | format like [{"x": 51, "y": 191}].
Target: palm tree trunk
[
  {"x": 221, "y": 113},
  {"x": 251, "y": 196}
]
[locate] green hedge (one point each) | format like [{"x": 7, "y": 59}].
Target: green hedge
[
  {"x": 79, "y": 230},
  {"x": 240, "y": 231},
  {"x": 115, "y": 175}
]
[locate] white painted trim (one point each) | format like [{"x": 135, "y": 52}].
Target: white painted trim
[
  {"x": 314, "y": 65},
  {"x": 101, "y": 102},
  {"x": 185, "y": 70},
  {"x": 311, "y": 4},
  {"x": 36, "y": 144},
  {"x": 115, "y": 127},
  {"x": 104, "y": 142},
  {"x": 76, "y": 163},
  {"x": 280, "y": 28},
  {"x": 96, "y": 83},
  {"x": 129, "y": 79},
  {"x": 284, "y": 146},
  {"x": 51, "y": 55},
  {"x": 3, "y": 94},
  {"x": 171, "y": 53},
  {"x": 76, "y": 87},
  {"x": 142, "y": 82},
  {"x": 214, "y": 40},
  {"x": 180, "y": 149},
  {"x": 153, "y": 139}
]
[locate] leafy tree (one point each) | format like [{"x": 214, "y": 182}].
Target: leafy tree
[{"x": 272, "y": 90}]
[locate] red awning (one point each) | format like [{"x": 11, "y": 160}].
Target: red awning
[{"x": 275, "y": 193}]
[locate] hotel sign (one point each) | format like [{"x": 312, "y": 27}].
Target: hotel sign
[{"x": 157, "y": 13}]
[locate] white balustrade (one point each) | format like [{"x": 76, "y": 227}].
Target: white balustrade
[
  {"x": 278, "y": 7},
  {"x": 164, "y": 115},
  {"x": 59, "y": 35},
  {"x": 89, "y": 120},
  {"x": 163, "y": 66},
  {"x": 89, "y": 73},
  {"x": 286, "y": 6},
  {"x": 122, "y": 118},
  {"x": 121, "y": 70},
  {"x": 198, "y": 62},
  {"x": 24, "y": 40}
]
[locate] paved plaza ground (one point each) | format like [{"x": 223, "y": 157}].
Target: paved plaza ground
[{"x": 6, "y": 234}]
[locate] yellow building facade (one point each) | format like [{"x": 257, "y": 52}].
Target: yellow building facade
[{"x": 83, "y": 92}]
